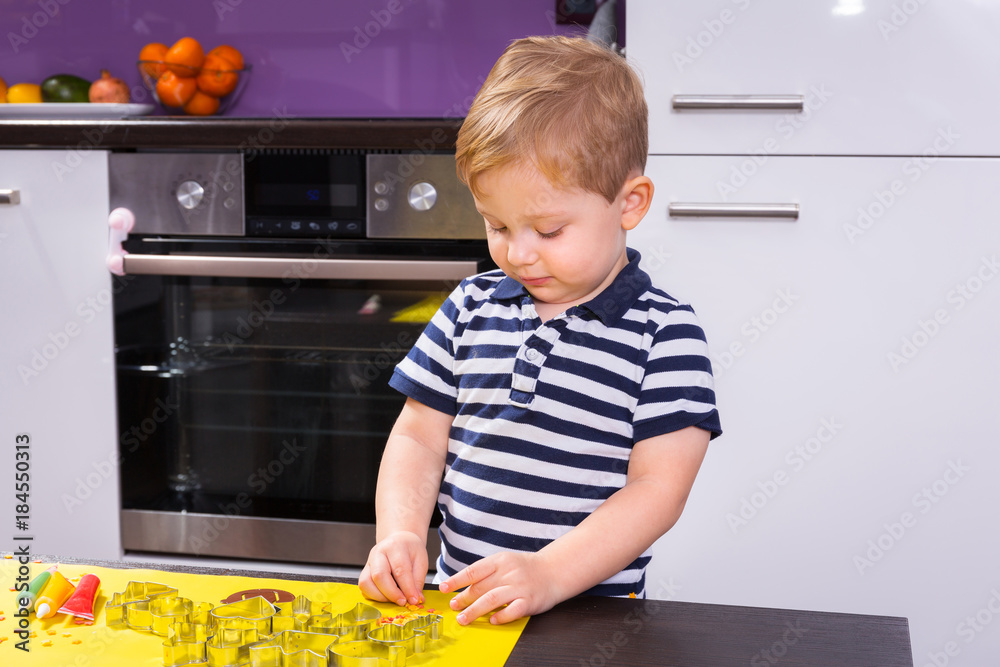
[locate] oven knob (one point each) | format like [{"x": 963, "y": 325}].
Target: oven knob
[
  {"x": 190, "y": 194},
  {"x": 422, "y": 196}
]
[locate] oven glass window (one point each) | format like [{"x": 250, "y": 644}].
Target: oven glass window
[{"x": 267, "y": 395}]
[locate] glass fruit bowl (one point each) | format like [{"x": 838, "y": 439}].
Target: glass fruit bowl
[{"x": 197, "y": 91}]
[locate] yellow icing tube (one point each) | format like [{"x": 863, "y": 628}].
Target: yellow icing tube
[
  {"x": 55, "y": 593},
  {"x": 34, "y": 588},
  {"x": 81, "y": 602}
]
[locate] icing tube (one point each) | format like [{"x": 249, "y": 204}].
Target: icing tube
[
  {"x": 34, "y": 588},
  {"x": 55, "y": 593},
  {"x": 81, "y": 603}
]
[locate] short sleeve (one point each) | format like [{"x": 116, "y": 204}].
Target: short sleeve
[
  {"x": 678, "y": 389},
  {"x": 427, "y": 373}
]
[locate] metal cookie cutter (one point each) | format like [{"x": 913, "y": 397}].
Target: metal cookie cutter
[
  {"x": 297, "y": 614},
  {"x": 186, "y": 643},
  {"x": 352, "y": 625},
  {"x": 413, "y": 635},
  {"x": 387, "y": 645},
  {"x": 131, "y": 608},
  {"x": 230, "y": 646},
  {"x": 253, "y": 613},
  {"x": 292, "y": 649},
  {"x": 365, "y": 654}
]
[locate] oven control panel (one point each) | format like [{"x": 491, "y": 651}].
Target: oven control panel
[
  {"x": 295, "y": 193},
  {"x": 198, "y": 194}
]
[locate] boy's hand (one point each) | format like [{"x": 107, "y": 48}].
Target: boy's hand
[
  {"x": 522, "y": 581},
  {"x": 396, "y": 569}
]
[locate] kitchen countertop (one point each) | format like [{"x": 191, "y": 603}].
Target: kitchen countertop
[
  {"x": 425, "y": 135},
  {"x": 606, "y": 631}
]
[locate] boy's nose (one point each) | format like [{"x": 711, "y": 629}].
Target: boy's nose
[{"x": 520, "y": 250}]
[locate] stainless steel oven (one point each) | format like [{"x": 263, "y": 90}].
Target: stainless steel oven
[{"x": 264, "y": 300}]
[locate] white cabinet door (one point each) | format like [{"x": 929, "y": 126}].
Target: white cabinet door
[
  {"x": 57, "y": 370},
  {"x": 858, "y": 384},
  {"x": 879, "y": 77}
]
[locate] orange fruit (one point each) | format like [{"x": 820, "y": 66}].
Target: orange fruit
[
  {"x": 156, "y": 52},
  {"x": 185, "y": 56},
  {"x": 175, "y": 91},
  {"x": 229, "y": 53},
  {"x": 217, "y": 77},
  {"x": 201, "y": 104}
]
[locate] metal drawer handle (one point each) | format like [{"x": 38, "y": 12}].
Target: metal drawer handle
[
  {"x": 295, "y": 267},
  {"x": 697, "y": 210},
  {"x": 10, "y": 197},
  {"x": 767, "y": 102}
]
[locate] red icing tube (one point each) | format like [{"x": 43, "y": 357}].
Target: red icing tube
[{"x": 81, "y": 603}]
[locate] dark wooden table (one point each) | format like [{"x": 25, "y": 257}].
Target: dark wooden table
[{"x": 599, "y": 632}]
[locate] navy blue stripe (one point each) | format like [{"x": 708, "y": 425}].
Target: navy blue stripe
[
  {"x": 539, "y": 452},
  {"x": 498, "y": 538},
  {"x": 650, "y": 428},
  {"x": 548, "y": 422},
  {"x": 512, "y": 510},
  {"x": 432, "y": 399},
  {"x": 529, "y": 482}
]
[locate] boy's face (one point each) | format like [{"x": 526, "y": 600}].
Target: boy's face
[{"x": 565, "y": 245}]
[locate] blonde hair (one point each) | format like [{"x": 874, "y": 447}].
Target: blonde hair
[{"x": 573, "y": 108}]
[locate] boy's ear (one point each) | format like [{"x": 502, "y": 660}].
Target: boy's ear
[{"x": 637, "y": 196}]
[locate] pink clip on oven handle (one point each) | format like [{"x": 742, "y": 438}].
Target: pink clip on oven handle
[{"x": 120, "y": 223}]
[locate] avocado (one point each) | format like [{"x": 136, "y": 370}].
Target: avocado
[{"x": 65, "y": 88}]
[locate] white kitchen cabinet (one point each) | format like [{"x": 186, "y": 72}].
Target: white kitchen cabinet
[
  {"x": 878, "y": 77},
  {"x": 57, "y": 379},
  {"x": 857, "y": 362}
]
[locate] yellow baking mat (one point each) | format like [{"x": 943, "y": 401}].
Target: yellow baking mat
[{"x": 478, "y": 644}]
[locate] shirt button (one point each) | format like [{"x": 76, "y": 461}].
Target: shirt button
[{"x": 531, "y": 354}]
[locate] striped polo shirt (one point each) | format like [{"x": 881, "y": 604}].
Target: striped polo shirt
[{"x": 545, "y": 414}]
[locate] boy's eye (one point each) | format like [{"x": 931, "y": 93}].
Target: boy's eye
[
  {"x": 495, "y": 230},
  {"x": 550, "y": 235}
]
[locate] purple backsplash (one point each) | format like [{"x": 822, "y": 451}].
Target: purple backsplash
[{"x": 310, "y": 58}]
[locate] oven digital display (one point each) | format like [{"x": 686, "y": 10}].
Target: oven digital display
[{"x": 306, "y": 194}]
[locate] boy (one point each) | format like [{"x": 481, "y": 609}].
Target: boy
[{"x": 559, "y": 408}]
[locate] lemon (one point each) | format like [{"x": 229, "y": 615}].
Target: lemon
[{"x": 24, "y": 93}]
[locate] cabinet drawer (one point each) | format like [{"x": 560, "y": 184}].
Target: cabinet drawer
[
  {"x": 856, "y": 360},
  {"x": 876, "y": 77}
]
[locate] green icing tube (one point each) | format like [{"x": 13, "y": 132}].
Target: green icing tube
[{"x": 34, "y": 588}]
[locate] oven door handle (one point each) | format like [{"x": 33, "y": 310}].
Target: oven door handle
[{"x": 298, "y": 268}]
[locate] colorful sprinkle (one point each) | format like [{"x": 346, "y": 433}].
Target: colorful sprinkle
[
  {"x": 8, "y": 557},
  {"x": 77, "y": 641},
  {"x": 46, "y": 643},
  {"x": 67, "y": 634}
]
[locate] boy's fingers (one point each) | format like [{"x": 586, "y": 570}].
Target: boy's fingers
[
  {"x": 382, "y": 576},
  {"x": 466, "y": 577},
  {"x": 368, "y": 587},
  {"x": 511, "y": 612},
  {"x": 483, "y": 605},
  {"x": 403, "y": 574}
]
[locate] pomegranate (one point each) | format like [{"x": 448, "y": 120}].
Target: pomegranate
[{"x": 109, "y": 89}]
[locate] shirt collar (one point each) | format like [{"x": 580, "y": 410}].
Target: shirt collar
[{"x": 611, "y": 303}]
